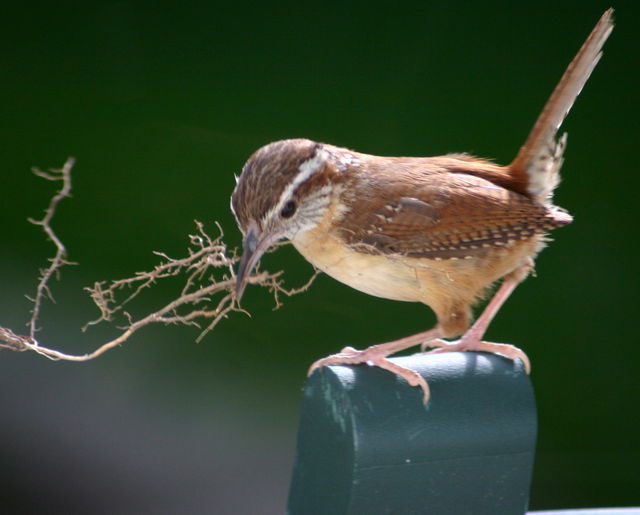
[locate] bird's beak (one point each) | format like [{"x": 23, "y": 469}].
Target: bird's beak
[{"x": 253, "y": 247}]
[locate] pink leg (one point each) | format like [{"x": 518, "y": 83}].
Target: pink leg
[
  {"x": 472, "y": 339},
  {"x": 377, "y": 355}
]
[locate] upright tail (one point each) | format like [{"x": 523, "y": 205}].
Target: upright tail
[{"x": 536, "y": 167}]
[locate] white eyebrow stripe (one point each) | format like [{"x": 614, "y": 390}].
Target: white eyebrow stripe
[{"x": 306, "y": 170}]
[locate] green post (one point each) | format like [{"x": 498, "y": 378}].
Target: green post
[{"x": 368, "y": 445}]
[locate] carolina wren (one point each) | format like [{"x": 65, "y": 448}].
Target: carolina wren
[{"x": 438, "y": 230}]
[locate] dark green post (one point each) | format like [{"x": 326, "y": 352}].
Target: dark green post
[{"x": 368, "y": 445}]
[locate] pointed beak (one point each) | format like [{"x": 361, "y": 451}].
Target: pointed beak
[{"x": 253, "y": 247}]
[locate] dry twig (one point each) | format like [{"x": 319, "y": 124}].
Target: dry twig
[{"x": 207, "y": 271}]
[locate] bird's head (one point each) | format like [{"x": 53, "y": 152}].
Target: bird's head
[{"x": 284, "y": 189}]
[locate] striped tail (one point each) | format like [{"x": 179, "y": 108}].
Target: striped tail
[{"x": 536, "y": 167}]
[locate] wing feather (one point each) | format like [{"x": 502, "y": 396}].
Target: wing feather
[{"x": 450, "y": 215}]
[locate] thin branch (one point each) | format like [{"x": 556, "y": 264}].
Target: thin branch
[
  {"x": 60, "y": 258},
  {"x": 276, "y": 287},
  {"x": 207, "y": 273}
]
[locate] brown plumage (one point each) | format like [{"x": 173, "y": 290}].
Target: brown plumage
[
  {"x": 436, "y": 230},
  {"x": 434, "y": 208}
]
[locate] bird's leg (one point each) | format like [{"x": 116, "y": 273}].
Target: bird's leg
[
  {"x": 376, "y": 355},
  {"x": 472, "y": 339}
]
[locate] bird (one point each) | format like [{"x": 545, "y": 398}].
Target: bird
[{"x": 438, "y": 230}]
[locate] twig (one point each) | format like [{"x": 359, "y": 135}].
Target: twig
[
  {"x": 60, "y": 258},
  {"x": 207, "y": 272}
]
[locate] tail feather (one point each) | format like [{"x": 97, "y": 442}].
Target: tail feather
[{"x": 538, "y": 162}]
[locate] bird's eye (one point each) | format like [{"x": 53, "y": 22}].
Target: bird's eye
[{"x": 289, "y": 209}]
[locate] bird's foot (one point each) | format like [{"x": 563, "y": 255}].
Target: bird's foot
[
  {"x": 470, "y": 344},
  {"x": 376, "y": 355}
]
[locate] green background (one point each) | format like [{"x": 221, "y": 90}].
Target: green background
[{"x": 162, "y": 103}]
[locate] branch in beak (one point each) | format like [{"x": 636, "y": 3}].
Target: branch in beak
[{"x": 253, "y": 247}]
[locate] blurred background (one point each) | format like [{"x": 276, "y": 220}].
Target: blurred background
[{"x": 161, "y": 103}]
